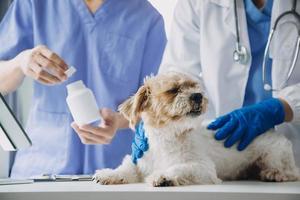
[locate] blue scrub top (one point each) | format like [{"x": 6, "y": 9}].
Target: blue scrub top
[
  {"x": 258, "y": 23},
  {"x": 112, "y": 49}
]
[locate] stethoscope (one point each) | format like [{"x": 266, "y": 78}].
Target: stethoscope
[{"x": 241, "y": 54}]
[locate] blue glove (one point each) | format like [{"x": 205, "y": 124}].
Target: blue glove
[
  {"x": 247, "y": 123},
  {"x": 140, "y": 143}
]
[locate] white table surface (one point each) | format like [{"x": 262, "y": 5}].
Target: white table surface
[{"x": 88, "y": 190}]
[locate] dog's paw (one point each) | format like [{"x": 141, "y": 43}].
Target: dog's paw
[
  {"x": 275, "y": 175},
  {"x": 108, "y": 177},
  {"x": 157, "y": 180},
  {"x": 163, "y": 181},
  {"x": 211, "y": 181}
]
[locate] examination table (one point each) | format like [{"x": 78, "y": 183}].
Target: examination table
[{"x": 85, "y": 190}]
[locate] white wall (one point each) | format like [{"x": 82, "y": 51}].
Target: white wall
[{"x": 166, "y": 8}]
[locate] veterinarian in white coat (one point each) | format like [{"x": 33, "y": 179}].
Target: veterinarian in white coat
[{"x": 203, "y": 39}]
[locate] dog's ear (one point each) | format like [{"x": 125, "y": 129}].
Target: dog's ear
[{"x": 132, "y": 107}]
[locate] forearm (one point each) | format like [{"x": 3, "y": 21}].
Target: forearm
[
  {"x": 287, "y": 110},
  {"x": 291, "y": 95},
  {"x": 11, "y": 76}
]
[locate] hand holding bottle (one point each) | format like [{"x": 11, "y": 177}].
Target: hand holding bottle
[{"x": 105, "y": 132}]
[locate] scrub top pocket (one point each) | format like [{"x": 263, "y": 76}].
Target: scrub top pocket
[
  {"x": 49, "y": 134},
  {"x": 119, "y": 57}
]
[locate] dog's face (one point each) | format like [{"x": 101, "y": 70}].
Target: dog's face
[{"x": 163, "y": 99}]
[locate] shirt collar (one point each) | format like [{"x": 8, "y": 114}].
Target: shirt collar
[
  {"x": 108, "y": 6},
  {"x": 257, "y": 15}
]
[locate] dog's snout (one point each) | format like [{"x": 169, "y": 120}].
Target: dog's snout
[{"x": 196, "y": 97}]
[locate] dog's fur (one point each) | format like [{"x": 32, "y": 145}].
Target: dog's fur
[{"x": 182, "y": 152}]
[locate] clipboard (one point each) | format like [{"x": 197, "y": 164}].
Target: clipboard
[
  {"x": 62, "y": 178},
  {"x": 12, "y": 135}
]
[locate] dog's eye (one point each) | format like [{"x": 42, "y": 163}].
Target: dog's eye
[{"x": 173, "y": 91}]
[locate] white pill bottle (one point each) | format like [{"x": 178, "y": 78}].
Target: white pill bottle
[{"x": 82, "y": 104}]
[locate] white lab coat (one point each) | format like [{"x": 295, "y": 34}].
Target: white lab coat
[{"x": 201, "y": 44}]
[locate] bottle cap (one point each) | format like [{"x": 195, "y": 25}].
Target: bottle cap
[{"x": 70, "y": 71}]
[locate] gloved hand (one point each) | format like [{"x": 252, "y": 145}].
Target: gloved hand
[
  {"x": 140, "y": 143},
  {"x": 247, "y": 123}
]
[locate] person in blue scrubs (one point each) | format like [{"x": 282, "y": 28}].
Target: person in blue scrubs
[
  {"x": 258, "y": 103},
  {"x": 257, "y": 99},
  {"x": 113, "y": 45}
]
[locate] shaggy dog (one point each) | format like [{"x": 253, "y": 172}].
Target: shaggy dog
[{"x": 182, "y": 152}]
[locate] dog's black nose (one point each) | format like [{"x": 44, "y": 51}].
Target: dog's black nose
[{"x": 196, "y": 97}]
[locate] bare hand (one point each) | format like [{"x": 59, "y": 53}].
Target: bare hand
[
  {"x": 104, "y": 133},
  {"x": 43, "y": 65}
]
